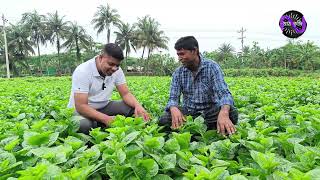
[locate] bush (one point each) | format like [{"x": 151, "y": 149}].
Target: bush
[{"x": 269, "y": 72}]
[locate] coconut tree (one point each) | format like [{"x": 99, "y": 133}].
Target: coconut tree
[
  {"x": 308, "y": 54},
  {"x": 142, "y": 33},
  {"x": 76, "y": 37},
  {"x": 35, "y": 23},
  {"x": 125, "y": 38},
  {"x": 225, "y": 52},
  {"x": 104, "y": 18},
  {"x": 56, "y": 30},
  {"x": 150, "y": 36},
  {"x": 20, "y": 45}
]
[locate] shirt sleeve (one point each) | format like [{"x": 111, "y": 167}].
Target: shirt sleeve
[
  {"x": 80, "y": 82},
  {"x": 175, "y": 91},
  {"x": 220, "y": 88},
  {"x": 119, "y": 78}
]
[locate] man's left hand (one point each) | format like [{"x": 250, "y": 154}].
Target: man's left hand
[
  {"x": 139, "y": 111},
  {"x": 224, "y": 123}
]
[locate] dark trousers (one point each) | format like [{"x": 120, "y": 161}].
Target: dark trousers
[
  {"x": 113, "y": 108},
  {"x": 210, "y": 115}
]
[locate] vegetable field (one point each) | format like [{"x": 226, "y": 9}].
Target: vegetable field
[{"x": 278, "y": 136}]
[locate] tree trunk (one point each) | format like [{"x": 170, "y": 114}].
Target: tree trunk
[
  {"x": 108, "y": 35},
  {"x": 58, "y": 48},
  {"x": 78, "y": 51},
  {"x": 143, "y": 52},
  {"x": 285, "y": 63},
  {"x": 40, "y": 63},
  {"x": 147, "y": 60},
  {"x": 144, "y": 67},
  {"x": 13, "y": 68},
  {"x": 27, "y": 64},
  {"x": 125, "y": 61}
]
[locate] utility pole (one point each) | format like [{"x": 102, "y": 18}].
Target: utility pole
[
  {"x": 5, "y": 45},
  {"x": 242, "y": 37}
]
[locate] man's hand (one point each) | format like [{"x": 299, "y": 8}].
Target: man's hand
[
  {"x": 176, "y": 117},
  {"x": 224, "y": 123},
  {"x": 140, "y": 111},
  {"x": 108, "y": 120}
]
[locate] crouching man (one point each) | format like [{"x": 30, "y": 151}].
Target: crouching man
[
  {"x": 204, "y": 90},
  {"x": 92, "y": 84}
]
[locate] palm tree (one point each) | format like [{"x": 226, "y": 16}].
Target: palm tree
[
  {"x": 125, "y": 38},
  {"x": 149, "y": 36},
  {"x": 20, "y": 45},
  {"x": 76, "y": 37},
  {"x": 104, "y": 18},
  {"x": 36, "y": 25},
  {"x": 57, "y": 28},
  {"x": 308, "y": 54},
  {"x": 225, "y": 52},
  {"x": 141, "y": 33}
]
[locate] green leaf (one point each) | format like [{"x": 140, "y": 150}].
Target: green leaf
[
  {"x": 162, "y": 177},
  {"x": 39, "y": 124},
  {"x": 168, "y": 161},
  {"x": 118, "y": 171},
  {"x": 98, "y": 135},
  {"x": 268, "y": 130},
  {"x": 121, "y": 155},
  {"x": 21, "y": 116},
  {"x": 36, "y": 139},
  {"x": 133, "y": 151},
  {"x": 314, "y": 173},
  {"x": 146, "y": 168},
  {"x": 74, "y": 142},
  {"x": 55, "y": 155},
  {"x": 172, "y": 145},
  {"x": 130, "y": 137},
  {"x": 219, "y": 173},
  {"x": 154, "y": 142},
  {"x": 183, "y": 139},
  {"x": 266, "y": 161},
  {"x": 9, "y": 143},
  {"x": 53, "y": 138},
  {"x": 280, "y": 175},
  {"x": 41, "y": 171},
  {"x": 295, "y": 174},
  {"x": 39, "y": 139},
  {"x": 236, "y": 177},
  {"x": 219, "y": 163}
]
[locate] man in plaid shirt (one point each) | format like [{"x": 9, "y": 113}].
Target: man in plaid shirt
[{"x": 204, "y": 91}]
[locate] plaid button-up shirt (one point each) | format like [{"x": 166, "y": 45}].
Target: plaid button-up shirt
[{"x": 207, "y": 88}]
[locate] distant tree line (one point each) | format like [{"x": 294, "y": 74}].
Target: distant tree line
[
  {"x": 293, "y": 55},
  {"x": 74, "y": 45}
]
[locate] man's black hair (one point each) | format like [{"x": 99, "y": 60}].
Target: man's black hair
[
  {"x": 113, "y": 50},
  {"x": 187, "y": 43}
]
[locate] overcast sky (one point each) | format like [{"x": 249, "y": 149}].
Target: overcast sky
[{"x": 211, "y": 22}]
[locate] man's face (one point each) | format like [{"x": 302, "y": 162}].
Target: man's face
[
  {"x": 109, "y": 64},
  {"x": 187, "y": 57}
]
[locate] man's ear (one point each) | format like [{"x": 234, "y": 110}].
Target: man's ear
[{"x": 195, "y": 51}]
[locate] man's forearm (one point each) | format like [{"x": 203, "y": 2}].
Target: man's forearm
[
  {"x": 91, "y": 113},
  {"x": 130, "y": 100}
]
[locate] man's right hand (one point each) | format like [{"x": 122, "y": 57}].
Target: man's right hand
[
  {"x": 176, "y": 117},
  {"x": 108, "y": 120}
]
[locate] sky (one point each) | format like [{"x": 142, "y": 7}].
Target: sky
[{"x": 211, "y": 22}]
